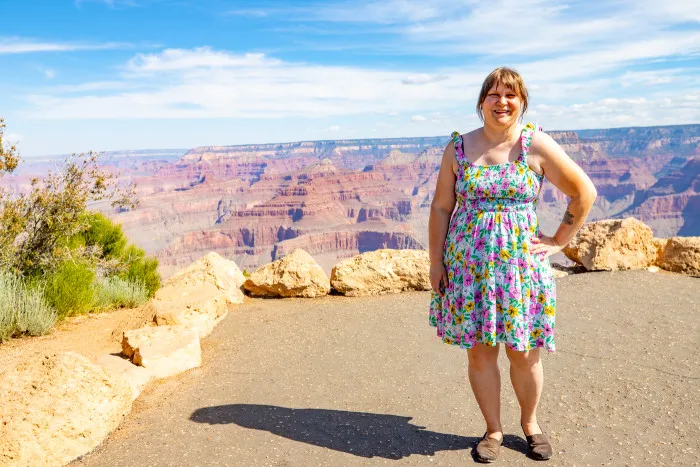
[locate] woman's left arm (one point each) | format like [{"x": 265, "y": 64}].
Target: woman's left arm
[{"x": 570, "y": 179}]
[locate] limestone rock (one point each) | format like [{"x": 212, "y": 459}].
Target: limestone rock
[
  {"x": 659, "y": 244},
  {"x": 682, "y": 254},
  {"x": 611, "y": 245},
  {"x": 163, "y": 350},
  {"x": 382, "y": 271},
  {"x": 295, "y": 275},
  {"x": 199, "y": 295},
  {"x": 57, "y": 408},
  {"x": 136, "y": 376}
]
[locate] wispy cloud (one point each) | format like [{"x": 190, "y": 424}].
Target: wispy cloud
[
  {"x": 114, "y": 4},
  {"x": 16, "y": 45}
]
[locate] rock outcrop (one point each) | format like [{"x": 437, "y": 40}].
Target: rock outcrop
[
  {"x": 199, "y": 295},
  {"x": 295, "y": 275},
  {"x": 57, "y": 409},
  {"x": 382, "y": 271},
  {"x": 163, "y": 350},
  {"x": 612, "y": 245},
  {"x": 682, "y": 255}
]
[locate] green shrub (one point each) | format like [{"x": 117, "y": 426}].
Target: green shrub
[
  {"x": 115, "y": 292},
  {"x": 116, "y": 256},
  {"x": 70, "y": 289},
  {"x": 142, "y": 269},
  {"x": 23, "y": 310}
]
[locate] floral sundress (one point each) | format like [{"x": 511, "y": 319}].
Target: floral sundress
[{"x": 497, "y": 290}]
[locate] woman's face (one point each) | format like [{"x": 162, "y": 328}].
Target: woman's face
[{"x": 501, "y": 106}]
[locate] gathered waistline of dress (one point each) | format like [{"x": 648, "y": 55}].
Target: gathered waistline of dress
[{"x": 496, "y": 205}]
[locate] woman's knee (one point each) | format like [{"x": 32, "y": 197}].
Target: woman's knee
[
  {"x": 482, "y": 356},
  {"x": 527, "y": 359}
]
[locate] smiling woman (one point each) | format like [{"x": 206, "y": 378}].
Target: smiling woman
[{"x": 492, "y": 282}]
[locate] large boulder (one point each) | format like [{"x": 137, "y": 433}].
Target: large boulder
[
  {"x": 611, "y": 245},
  {"x": 295, "y": 275},
  {"x": 57, "y": 408},
  {"x": 199, "y": 295},
  {"x": 163, "y": 350},
  {"x": 382, "y": 271},
  {"x": 136, "y": 376},
  {"x": 681, "y": 254}
]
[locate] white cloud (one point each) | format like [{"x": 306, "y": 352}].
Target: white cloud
[
  {"x": 204, "y": 83},
  {"x": 418, "y": 118},
  {"x": 333, "y": 128},
  {"x": 16, "y": 45},
  {"x": 49, "y": 73}
]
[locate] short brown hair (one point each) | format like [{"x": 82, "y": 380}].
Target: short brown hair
[{"x": 507, "y": 77}]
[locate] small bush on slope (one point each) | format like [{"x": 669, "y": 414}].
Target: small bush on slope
[
  {"x": 117, "y": 292},
  {"x": 23, "y": 310},
  {"x": 70, "y": 289}
]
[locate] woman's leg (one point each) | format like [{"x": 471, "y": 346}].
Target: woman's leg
[
  {"x": 527, "y": 377},
  {"x": 485, "y": 379}
]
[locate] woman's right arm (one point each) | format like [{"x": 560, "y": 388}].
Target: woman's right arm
[{"x": 440, "y": 212}]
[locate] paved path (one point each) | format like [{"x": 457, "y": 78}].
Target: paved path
[{"x": 364, "y": 381}]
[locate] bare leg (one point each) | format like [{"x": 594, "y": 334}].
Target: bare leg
[
  {"x": 485, "y": 379},
  {"x": 527, "y": 377}
]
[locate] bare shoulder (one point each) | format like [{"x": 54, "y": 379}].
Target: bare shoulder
[
  {"x": 544, "y": 146},
  {"x": 471, "y": 136}
]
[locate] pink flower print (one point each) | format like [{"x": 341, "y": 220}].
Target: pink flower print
[
  {"x": 491, "y": 295},
  {"x": 520, "y": 189},
  {"x": 519, "y": 333},
  {"x": 473, "y": 316},
  {"x": 441, "y": 332},
  {"x": 494, "y": 188},
  {"x": 500, "y": 327},
  {"x": 479, "y": 192},
  {"x": 510, "y": 277},
  {"x": 460, "y": 237},
  {"x": 509, "y": 223},
  {"x": 540, "y": 342},
  {"x": 530, "y": 327},
  {"x": 511, "y": 168},
  {"x": 522, "y": 263},
  {"x": 502, "y": 172},
  {"x": 500, "y": 241},
  {"x": 514, "y": 293},
  {"x": 505, "y": 184},
  {"x": 547, "y": 329},
  {"x": 480, "y": 244},
  {"x": 469, "y": 340},
  {"x": 470, "y": 216},
  {"x": 477, "y": 231},
  {"x": 491, "y": 257},
  {"x": 500, "y": 293},
  {"x": 477, "y": 296},
  {"x": 468, "y": 279},
  {"x": 488, "y": 326}
]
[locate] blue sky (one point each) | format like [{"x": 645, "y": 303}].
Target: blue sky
[{"x": 129, "y": 74}]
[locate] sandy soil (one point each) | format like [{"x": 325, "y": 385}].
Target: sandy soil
[{"x": 91, "y": 335}]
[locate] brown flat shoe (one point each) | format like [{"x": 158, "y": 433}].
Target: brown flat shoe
[
  {"x": 487, "y": 449},
  {"x": 538, "y": 447}
]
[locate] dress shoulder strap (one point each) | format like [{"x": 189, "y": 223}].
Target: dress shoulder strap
[
  {"x": 526, "y": 139},
  {"x": 458, "y": 141}
]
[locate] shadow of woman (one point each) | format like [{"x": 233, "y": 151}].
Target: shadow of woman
[{"x": 359, "y": 433}]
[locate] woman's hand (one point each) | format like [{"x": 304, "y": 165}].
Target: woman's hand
[
  {"x": 438, "y": 274},
  {"x": 544, "y": 246}
]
